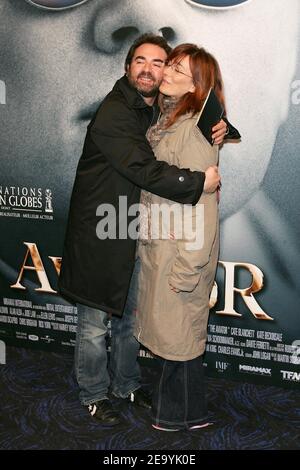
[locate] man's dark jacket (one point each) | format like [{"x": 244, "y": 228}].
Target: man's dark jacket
[{"x": 117, "y": 160}]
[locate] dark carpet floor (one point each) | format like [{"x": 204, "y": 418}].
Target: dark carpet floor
[{"x": 40, "y": 410}]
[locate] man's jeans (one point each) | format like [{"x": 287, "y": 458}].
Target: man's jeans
[{"x": 94, "y": 375}]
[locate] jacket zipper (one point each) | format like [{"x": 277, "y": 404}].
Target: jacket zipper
[{"x": 153, "y": 115}]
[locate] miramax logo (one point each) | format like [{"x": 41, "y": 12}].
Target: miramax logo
[{"x": 254, "y": 370}]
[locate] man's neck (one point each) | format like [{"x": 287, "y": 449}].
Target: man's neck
[{"x": 149, "y": 100}]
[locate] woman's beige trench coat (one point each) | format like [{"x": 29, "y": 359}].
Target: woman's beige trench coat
[{"x": 174, "y": 325}]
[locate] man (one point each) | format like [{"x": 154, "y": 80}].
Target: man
[{"x": 116, "y": 162}]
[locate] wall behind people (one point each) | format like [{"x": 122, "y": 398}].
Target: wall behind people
[{"x": 58, "y": 59}]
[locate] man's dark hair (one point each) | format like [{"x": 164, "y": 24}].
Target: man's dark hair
[{"x": 147, "y": 38}]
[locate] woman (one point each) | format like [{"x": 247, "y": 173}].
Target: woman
[{"x": 177, "y": 275}]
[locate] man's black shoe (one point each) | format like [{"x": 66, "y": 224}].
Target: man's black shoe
[
  {"x": 103, "y": 411},
  {"x": 140, "y": 398}
]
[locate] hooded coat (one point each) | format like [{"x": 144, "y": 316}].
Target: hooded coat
[
  {"x": 173, "y": 325},
  {"x": 117, "y": 161}
]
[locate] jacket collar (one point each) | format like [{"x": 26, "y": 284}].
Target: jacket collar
[
  {"x": 133, "y": 98},
  {"x": 179, "y": 120}
]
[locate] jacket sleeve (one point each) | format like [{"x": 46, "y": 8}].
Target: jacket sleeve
[
  {"x": 119, "y": 136},
  {"x": 193, "y": 249},
  {"x": 232, "y": 132}
]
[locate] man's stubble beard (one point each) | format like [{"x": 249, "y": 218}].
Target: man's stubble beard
[{"x": 146, "y": 92}]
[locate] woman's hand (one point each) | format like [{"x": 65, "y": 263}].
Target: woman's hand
[{"x": 219, "y": 132}]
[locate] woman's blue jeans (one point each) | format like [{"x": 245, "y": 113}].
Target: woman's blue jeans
[
  {"x": 95, "y": 374},
  {"x": 179, "y": 397}
]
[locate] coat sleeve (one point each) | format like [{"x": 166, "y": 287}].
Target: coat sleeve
[
  {"x": 119, "y": 136},
  {"x": 194, "y": 248}
]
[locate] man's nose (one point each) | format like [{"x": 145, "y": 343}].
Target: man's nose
[
  {"x": 147, "y": 66},
  {"x": 117, "y": 24}
]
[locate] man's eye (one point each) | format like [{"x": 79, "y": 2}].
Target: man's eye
[{"x": 217, "y": 3}]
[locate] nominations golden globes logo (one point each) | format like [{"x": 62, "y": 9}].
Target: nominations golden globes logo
[
  {"x": 231, "y": 291},
  {"x": 21, "y": 198},
  {"x": 48, "y": 201}
]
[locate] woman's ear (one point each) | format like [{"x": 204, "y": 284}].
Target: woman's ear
[{"x": 192, "y": 89}]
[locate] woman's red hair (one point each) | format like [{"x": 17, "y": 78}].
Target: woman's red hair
[{"x": 206, "y": 74}]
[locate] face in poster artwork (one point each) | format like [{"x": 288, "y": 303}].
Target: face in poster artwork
[{"x": 63, "y": 61}]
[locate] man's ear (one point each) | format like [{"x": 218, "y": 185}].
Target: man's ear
[{"x": 126, "y": 70}]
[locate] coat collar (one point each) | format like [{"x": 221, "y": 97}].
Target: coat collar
[
  {"x": 179, "y": 121},
  {"x": 133, "y": 98}
]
